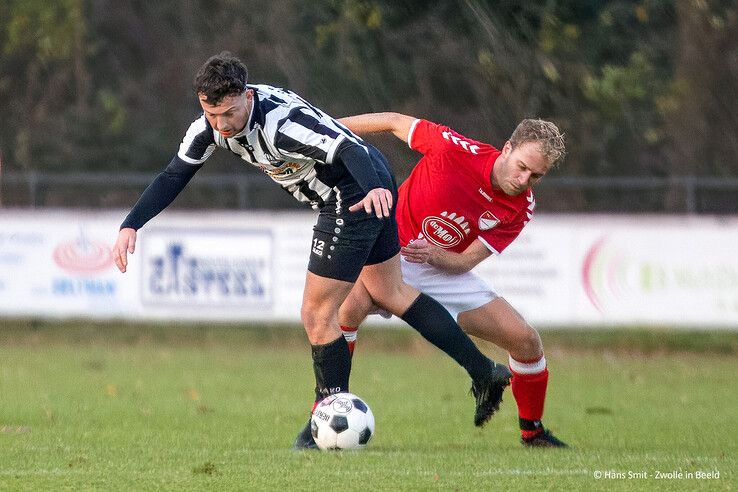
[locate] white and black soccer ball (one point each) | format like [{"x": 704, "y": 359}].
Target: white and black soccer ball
[{"x": 342, "y": 421}]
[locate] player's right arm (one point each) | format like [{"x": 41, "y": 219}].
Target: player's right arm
[
  {"x": 197, "y": 145},
  {"x": 421, "y": 251},
  {"x": 395, "y": 123},
  {"x": 156, "y": 197}
]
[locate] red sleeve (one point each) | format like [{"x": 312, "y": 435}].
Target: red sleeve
[
  {"x": 427, "y": 137},
  {"x": 500, "y": 237}
]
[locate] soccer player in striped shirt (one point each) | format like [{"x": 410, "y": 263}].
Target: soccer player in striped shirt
[
  {"x": 464, "y": 202},
  {"x": 318, "y": 161}
]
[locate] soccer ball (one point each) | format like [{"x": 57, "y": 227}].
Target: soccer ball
[{"x": 342, "y": 421}]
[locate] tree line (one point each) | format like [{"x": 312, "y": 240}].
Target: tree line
[{"x": 641, "y": 88}]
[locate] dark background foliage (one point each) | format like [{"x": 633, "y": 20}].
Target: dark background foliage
[{"x": 641, "y": 88}]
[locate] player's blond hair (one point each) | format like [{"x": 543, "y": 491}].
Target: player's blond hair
[{"x": 544, "y": 132}]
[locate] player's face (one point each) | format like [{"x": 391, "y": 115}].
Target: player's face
[
  {"x": 229, "y": 116},
  {"x": 517, "y": 169}
]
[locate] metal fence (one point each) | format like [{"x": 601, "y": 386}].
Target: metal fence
[{"x": 676, "y": 194}]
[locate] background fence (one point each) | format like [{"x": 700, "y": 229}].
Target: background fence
[{"x": 250, "y": 190}]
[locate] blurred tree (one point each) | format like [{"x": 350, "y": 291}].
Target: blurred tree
[
  {"x": 43, "y": 73},
  {"x": 702, "y": 108},
  {"x": 641, "y": 87}
]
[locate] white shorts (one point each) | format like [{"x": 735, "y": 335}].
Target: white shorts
[{"x": 457, "y": 292}]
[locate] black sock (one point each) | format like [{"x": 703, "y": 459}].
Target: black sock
[
  {"x": 437, "y": 326},
  {"x": 332, "y": 366},
  {"x": 530, "y": 425},
  {"x": 530, "y": 428}
]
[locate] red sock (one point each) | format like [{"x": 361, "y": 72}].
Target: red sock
[
  {"x": 529, "y": 382},
  {"x": 350, "y": 334}
]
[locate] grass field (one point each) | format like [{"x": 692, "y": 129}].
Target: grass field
[{"x": 123, "y": 407}]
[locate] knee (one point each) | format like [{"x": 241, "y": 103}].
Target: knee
[
  {"x": 531, "y": 346},
  {"x": 315, "y": 317},
  {"x": 353, "y": 311},
  {"x": 395, "y": 298},
  {"x": 357, "y": 303}
]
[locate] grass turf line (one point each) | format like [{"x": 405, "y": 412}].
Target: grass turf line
[
  {"x": 634, "y": 339},
  {"x": 218, "y": 408}
]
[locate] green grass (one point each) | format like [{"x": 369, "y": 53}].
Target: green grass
[{"x": 128, "y": 407}]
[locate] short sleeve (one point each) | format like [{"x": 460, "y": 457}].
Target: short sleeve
[
  {"x": 198, "y": 143},
  {"x": 427, "y": 137},
  {"x": 501, "y": 237}
]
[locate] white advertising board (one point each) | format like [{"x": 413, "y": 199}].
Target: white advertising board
[
  {"x": 605, "y": 270},
  {"x": 56, "y": 264},
  {"x": 562, "y": 270}
]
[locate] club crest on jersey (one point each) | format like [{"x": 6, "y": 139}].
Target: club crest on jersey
[
  {"x": 446, "y": 230},
  {"x": 280, "y": 170},
  {"x": 488, "y": 221}
]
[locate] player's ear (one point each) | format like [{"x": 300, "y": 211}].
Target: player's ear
[{"x": 507, "y": 148}]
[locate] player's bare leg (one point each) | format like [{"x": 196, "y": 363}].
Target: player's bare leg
[
  {"x": 322, "y": 298},
  {"x": 498, "y": 322},
  {"x": 331, "y": 359},
  {"x": 387, "y": 289},
  {"x": 354, "y": 310},
  {"x": 321, "y": 301}
]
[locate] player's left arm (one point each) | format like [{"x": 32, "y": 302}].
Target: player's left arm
[
  {"x": 296, "y": 137},
  {"x": 377, "y": 199},
  {"x": 420, "y": 251},
  {"x": 395, "y": 123}
]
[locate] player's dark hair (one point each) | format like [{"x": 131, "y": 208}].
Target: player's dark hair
[{"x": 223, "y": 75}]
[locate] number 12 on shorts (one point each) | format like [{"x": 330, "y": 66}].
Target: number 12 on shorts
[{"x": 318, "y": 247}]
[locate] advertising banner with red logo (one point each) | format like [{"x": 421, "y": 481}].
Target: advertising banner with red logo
[
  {"x": 59, "y": 264},
  {"x": 201, "y": 266},
  {"x": 620, "y": 270},
  {"x": 564, "y": 271}
]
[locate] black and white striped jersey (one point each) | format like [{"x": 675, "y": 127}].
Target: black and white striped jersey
[{"x": 289, "y": 139}]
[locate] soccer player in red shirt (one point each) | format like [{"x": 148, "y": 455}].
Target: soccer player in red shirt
[
  {"x": 463, "y": 202},
  {"x": 318, "y": 161}
]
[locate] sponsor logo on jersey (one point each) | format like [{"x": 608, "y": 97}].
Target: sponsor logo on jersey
[
  {"x": 488, "y": 221},
  {"x": 283, "y": 170},
  {"x": 446, "y": 230}
]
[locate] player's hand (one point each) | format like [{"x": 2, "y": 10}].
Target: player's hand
[
  {"x": 418, "y": 251},
  {"x": 378, "y": 200},
  {"x": 125, "y": 244}
]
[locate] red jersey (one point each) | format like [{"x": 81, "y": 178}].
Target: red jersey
[{"x": 448, "y": 198}]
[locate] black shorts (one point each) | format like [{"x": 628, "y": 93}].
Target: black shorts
[{"x": 344, "y": 242}]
